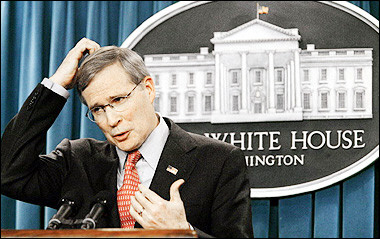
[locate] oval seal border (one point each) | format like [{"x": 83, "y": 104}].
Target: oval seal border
[{"x": 338, "y": 176}]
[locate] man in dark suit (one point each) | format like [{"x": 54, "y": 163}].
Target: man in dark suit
[{"x": 184, "y": 180}]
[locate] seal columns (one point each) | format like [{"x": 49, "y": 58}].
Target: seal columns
[
  {"x": 244, "y": 84},
  {"x": 272, "y": 107}
]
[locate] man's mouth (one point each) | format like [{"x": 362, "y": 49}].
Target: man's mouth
[{"x": 121, "y": 136}]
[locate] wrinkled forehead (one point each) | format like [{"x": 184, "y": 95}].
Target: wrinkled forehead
[{"x": 110, "y": 82}]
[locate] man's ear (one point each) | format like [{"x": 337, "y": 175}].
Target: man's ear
[{"x": 149, "y": 86}]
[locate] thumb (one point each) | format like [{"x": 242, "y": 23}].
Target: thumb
[{"x": 174, "y": 190}]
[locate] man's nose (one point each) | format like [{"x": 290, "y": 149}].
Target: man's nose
[{"x": 113, "y": 117}]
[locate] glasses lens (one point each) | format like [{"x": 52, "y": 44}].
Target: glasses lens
[
  {"x": 120, "y": 105},
  {"x": 90, "y": 116}
]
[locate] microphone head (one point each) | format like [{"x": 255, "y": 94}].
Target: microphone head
[
  {"x": 105, "y": 198},
  {"x": 70, "y": 202},
  {"x": 73, "y": 197}
]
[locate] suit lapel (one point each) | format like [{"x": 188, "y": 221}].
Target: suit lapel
[
  {"x": 177, "y": 154},
  {"x": 111, "y": 183}
]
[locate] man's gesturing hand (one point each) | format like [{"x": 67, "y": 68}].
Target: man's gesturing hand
[
  {"x": 152, "y": 211},
  {"x": 69, "y": 67}
]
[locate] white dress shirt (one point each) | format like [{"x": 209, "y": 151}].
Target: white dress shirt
[
  {"x": 57, "y": 88},
  {"x": 150, "y": 150}
]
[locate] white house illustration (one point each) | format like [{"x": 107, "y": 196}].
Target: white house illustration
[{"x": 257, "y": 73}]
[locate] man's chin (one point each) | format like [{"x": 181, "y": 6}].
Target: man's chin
[{"x": 125, "y": 146}]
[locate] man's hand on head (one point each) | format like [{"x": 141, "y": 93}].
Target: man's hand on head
[
  {"x": 152, "y": 211},
  {"x": 66, "y": 71}
]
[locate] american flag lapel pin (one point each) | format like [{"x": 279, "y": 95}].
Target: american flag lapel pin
[{"x": 172, "y": 170}]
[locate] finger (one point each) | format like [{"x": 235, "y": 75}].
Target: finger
[
  {"x": 77, "y": 52},
  {"x": 83, "y": 44},
  {"x": 97, "y": 46},
  {"x": 87, "y": 44},
  {"x": 81, "y": 41},
  {"x": 136, "y": 205},
  {"x": 136, "y": 215},
  {"x": 149, "y": 194},
  {"x": 142, "y": 200},
  {"x": 174, "y": 190},
  {"x": 93, "y": 44},
  {"x": 147, "y": 220},
  {"x": 85, "y": 41},
  {"x": 143, "y": 219},
  {"x": 92, "y": 47}
]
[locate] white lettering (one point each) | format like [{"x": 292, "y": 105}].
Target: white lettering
[
  {"x": 303, "y": 140},
  {"x": 241, "y": 141},
  {"x": 271, "y": 158},
  {"x": 217, "y": 136},
  {"x": 260, "y": 134},
  {"x": 273, "y": 140},
  {"x": 275, "y": 160},
  {"x": 310, "y": 139},
  {"x": 249, "y": 134},
  {"x": 279, "y": 158},
  {"x": 358, "y": 139},
  {"x": 288, "y": 160},
  {"x": 260, "y": 160},
  {"x": 260, "y": 141},
  {"x": 249, "y": 161},
  {"x": 329, "y": 139},
  {"x": 348, "y": 140},
  {"x": 299, "y": 160}
]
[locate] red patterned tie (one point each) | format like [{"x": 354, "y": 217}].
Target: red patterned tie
[{"x": 130, "y": 186}]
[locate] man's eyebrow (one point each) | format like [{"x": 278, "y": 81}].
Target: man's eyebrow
[
  {"x": 109, "y": 99},
  {"x": 94, "y": 106}
]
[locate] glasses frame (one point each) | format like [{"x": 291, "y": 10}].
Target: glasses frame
[{"x": 110, "y": 105}]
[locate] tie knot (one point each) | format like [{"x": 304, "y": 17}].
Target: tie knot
[{"x": 133, "y": 157}]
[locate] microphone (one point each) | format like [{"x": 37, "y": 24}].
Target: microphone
[
  {"x": 101, "y": 203},
  {"x": 70, "y": 202}
]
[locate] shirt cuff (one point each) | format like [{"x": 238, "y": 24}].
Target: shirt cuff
[{"x": 57, "y": 88}]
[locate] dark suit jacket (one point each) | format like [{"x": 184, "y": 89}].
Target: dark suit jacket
[{"x": 215, "y": 193}]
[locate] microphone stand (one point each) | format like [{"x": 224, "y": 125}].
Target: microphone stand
[{"x": 68, "y": 224}]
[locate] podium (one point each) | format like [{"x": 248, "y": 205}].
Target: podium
[{"x": 105, "y": 232}]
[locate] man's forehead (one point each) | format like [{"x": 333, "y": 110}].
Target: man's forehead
[
  {"x": 113, "y": 74},
  {"x": 102, "y": 89}
]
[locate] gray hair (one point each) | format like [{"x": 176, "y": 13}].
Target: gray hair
[{"x": 106, "y": 56}]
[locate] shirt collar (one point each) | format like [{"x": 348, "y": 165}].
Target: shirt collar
[{"x": 153, "y": 146}]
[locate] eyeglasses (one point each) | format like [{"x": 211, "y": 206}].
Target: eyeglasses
[{"x": 98, "y": 113}]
